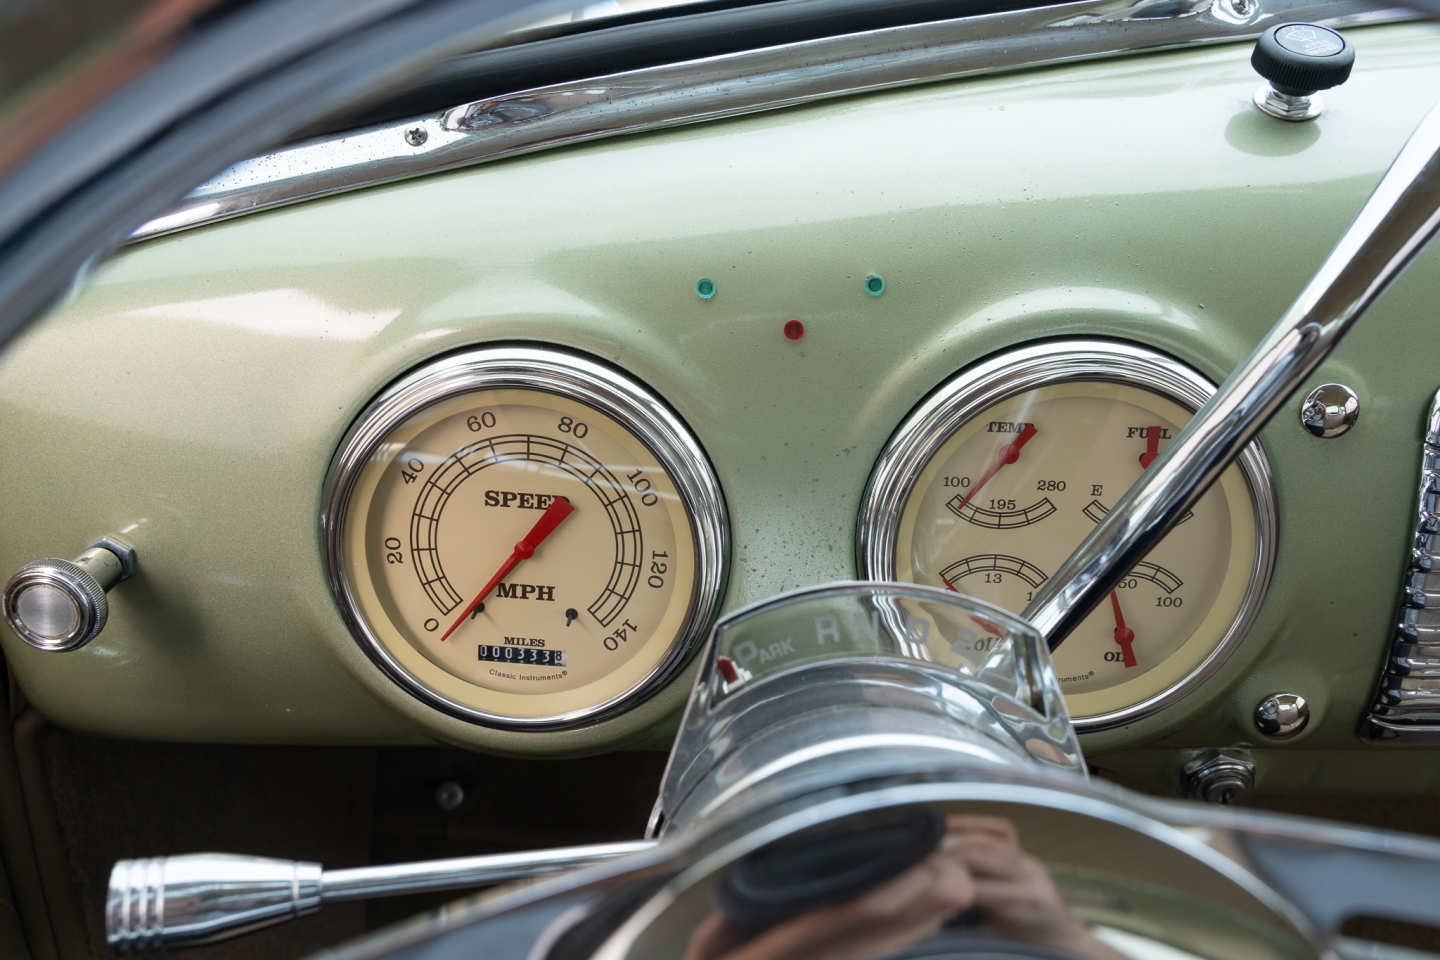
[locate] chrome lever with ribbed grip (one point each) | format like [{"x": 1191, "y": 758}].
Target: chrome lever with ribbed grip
[{"x": 201, "y": 898}]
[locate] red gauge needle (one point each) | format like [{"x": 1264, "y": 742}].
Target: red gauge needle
[
  {"x": 1007, "y": 454},
  {"x": 1152, "y": 446},
  {"x": 549, "y": 520},
  {"x": 1124, "y": 636}
]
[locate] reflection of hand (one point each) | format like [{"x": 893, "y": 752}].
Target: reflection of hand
[
  {"x": 978, "y": 864},
  {"x": 1015, "y": 893},
  {"x": 895, "y": 914}
]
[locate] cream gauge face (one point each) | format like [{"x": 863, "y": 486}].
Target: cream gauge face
[
  {"x": 1001, "y": 474},
  {"x": 524, "y": 538}
]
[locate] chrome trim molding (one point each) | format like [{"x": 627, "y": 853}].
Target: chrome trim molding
[
  {"x": 1407, "y": 702},
  {"x": 567, "y": 375},
  {"x": 1016, "y": 371},
  {"x": 733, "y": 85}
]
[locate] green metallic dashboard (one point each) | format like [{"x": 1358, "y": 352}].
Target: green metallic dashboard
[{"x": 191, "y": 393}]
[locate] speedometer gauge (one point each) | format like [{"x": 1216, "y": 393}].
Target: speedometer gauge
[
  {"x": 991, "y": 483},
  {"x": 524, "y": 538}
]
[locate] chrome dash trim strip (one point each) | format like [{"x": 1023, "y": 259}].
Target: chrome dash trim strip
[
  {"x": 1406, "y": 707},
  {"x": 731, "y": 85}
]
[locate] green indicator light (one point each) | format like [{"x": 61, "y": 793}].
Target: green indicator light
[
  {"x": 874, "y": 284},
  {"x": 705, "y": 288}
]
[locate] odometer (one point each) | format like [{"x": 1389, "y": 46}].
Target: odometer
[
  {"x": 524, "y": 538},
  {"x": 996, "y": 477}
]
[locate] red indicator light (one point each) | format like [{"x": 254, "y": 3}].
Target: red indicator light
[
  {"x": 794, "y": 329},
  {"x": 726, "y": 668}
]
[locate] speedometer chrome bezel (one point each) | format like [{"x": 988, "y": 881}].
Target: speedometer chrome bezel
[
  {"x": 921, "y": 435},
  {"x": 576, "y": 378}
]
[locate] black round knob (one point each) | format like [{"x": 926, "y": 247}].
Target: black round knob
[{"x": 1300, "y": 58}]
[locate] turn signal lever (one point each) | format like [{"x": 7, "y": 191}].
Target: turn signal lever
[{"x": 201, "y": 898}]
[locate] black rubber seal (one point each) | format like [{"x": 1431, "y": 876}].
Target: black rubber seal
[{"x": 612, "y": 45}]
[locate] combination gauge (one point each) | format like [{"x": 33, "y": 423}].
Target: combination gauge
[
  {"x": 996, "y": 477},
  {"x": 524, "y": 538}
]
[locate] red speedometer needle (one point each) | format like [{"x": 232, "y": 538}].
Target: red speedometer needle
[
  {"x": 1007, "y": 454},
  {"x": 549, "y": 520},
  {"x": 1152, "y": 446},
  {"x": 1124, "y": 636}
]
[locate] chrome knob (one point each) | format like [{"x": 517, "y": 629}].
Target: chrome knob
[
  {"x": 60, "y": 605},
  {"x": 1282, "y": 715},
  {"x": 1330, "y": 410}
]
